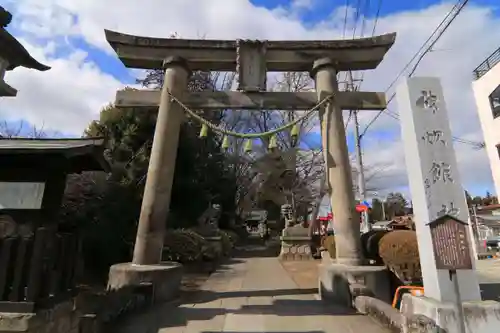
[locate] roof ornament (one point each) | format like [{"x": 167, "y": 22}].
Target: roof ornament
[
  {"x": 12, "y": 55},
  {"x": 11, "y": 50}
]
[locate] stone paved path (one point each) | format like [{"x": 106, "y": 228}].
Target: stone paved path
[{"x": 250, "y": 295}]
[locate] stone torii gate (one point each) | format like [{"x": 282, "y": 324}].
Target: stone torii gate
[{"x": 252, "y": 60}]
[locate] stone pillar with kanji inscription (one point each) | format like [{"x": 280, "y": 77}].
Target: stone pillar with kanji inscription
[
  {"x": 435, "y": 184},
  {"x": 444, "y": 234}
]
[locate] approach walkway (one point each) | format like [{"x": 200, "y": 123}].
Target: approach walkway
[{"x": 250, "y": 295}]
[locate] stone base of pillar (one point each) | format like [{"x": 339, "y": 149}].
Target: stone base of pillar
[
  {"x": 295, "y": 244},
  {"x": 165, "y": 277},
  {"x": 480, "y": 317},
  {"x": 295, "y": 250},
  {"x": 342, "y": 283}
]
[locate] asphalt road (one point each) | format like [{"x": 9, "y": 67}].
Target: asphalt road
[{"x": 488, "y": 271}]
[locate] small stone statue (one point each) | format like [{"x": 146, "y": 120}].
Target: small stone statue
[
  {"x": 294, "y": 238},
  {"x": 287, "y": 214},
  {"x": 209, "y": 220}
]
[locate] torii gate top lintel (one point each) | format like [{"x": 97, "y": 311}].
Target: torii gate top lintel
[{"x": 220, "y": 55}]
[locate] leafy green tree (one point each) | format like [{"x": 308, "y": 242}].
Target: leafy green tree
[
  {"x": 108, "y": 207},
  {"x": 376, "y": 212},
  {"x": 396, "y": 204},
  {"x": 468, "y": 198}
]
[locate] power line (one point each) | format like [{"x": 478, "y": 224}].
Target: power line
[
  {"x": 356, "y": 18},
  {"x": 348, "y": 120},
  {"x": 458, "y": 7},
  {"x": 354, "y": 113},
  {"x": 345, "y": 18},
  {"x": 452, "y": 14},
  {"x": 377, "y": 15},
  {"x": 395, "y": 116}
]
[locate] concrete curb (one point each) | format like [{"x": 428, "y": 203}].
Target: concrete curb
[
  {"x": 392, "y": 318},
  {"x": 381, "y": 311}
]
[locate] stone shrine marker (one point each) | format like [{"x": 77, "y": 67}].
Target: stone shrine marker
[{"x": 435, "y": 184}]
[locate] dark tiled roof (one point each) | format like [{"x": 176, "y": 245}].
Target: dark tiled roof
[{"x": 84, "y": 154}]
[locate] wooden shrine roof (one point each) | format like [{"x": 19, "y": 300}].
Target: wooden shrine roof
[
  {"x": 220, "y": 55},
  {"x": 84, "y": 154}
]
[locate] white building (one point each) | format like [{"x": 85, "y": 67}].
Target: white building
[{"x": 486, "y": 88}]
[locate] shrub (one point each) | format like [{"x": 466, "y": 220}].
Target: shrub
[
  {"x": 233, "y": 236},
  {"x": 329, "y": 244},
  {"x": 183, "y": 246},
  {"x": 210, "y": 252},
  {"x": 227, "y": 244},
  {"x": 399, "y": 252}
]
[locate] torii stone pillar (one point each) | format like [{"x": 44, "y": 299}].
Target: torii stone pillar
[
  {"x": 158, "y": 189},
  {"x": 337, "y": 167},
  {"x": 146, "y": 264}
]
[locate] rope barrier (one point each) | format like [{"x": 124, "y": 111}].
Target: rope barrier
[{"x": 220, "y": 130}]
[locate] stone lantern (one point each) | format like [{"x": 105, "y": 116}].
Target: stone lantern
[{"x": 12, "y": 55}]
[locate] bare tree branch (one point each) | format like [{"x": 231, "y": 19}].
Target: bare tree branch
[{"x": 9, "y": 131}]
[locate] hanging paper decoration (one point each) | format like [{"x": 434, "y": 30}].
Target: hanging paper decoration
[
  {"x": 294, "y": 134},
  {"x": 204, "y": 131},
  {"x": 225, "y": 142},
  {"x": 273, "y": 142},
  {"x": 248, "y": 146},
  {"x": 295, "y": 131}
]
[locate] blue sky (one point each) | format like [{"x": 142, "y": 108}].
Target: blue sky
[{"x": 320, "y": 12}]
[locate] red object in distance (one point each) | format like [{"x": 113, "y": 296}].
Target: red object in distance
[
  {"x": 326, "y": 218},
  {"x": 361, "y": 208}
]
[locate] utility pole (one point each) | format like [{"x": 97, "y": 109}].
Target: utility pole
[
  {"x": 476, "y": 228},
  {"x": 359, "y": 159}
]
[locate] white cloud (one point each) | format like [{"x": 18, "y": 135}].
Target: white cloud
[
  {"x": 65, "y": 98},
  {"x": 69, "y": 95}
]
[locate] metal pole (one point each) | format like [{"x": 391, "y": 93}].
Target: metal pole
[
  {"x": 458, "y": 302},
  {"x": 476, "y": 228},
  {"x": 359, "y": 159}
]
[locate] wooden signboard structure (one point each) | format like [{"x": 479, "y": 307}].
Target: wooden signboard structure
[
  {"x": 452, "y": 252},
  {"x": 450, "y": 243},
  {"x": 251, "y": 59}
]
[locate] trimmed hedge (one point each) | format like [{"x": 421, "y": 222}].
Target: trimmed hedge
[
  {"x": 227, "y": 244},
  {"x": 187, "y": 246},
  {"x": 399, "y": 252},
  {"x": 183, "y": 246},
  {"x": 210, "y": 252},
  {"x": 233, "y": 236}
]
